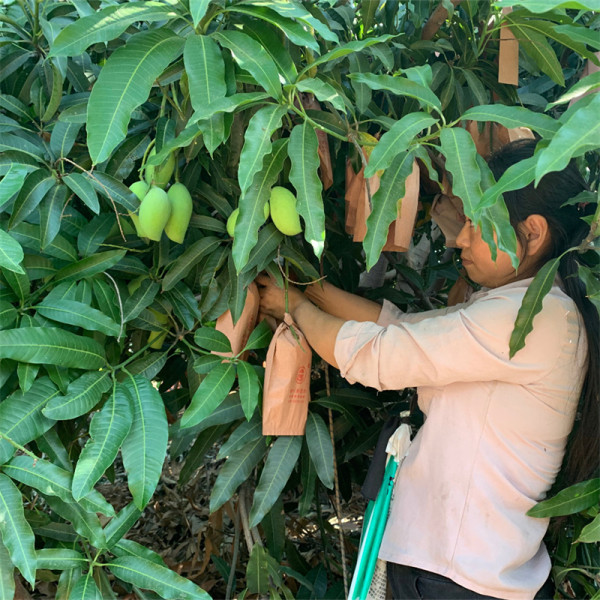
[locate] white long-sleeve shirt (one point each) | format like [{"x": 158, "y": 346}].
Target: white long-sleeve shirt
[{"x": 494, "y": 435}]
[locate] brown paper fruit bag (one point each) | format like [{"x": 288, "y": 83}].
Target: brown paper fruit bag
[
  {"x": 239, "y": 333},
  {"x": 286, "y": 391}
]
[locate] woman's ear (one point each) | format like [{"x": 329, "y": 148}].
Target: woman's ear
[{"x": 536, "y": 230}]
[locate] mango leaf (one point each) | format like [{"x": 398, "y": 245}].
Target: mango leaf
[
  {"x": 196, "y": 457},
  {"x": 191, "y": 257},
  {"x": 257, "y": 143},
  {"x": 590, "y": 534},
  {"x": 252, "y": 57},
  {"x": 235, "y": 471},
  {"x": 279, "y": 465},
  {"x": 249, "y": 388},
  {"x": 517, "y": 176},
  {"x": 108, "y": 429},
  {"x": 245, "y": 433},
  {"x": 78, "y": 314},
  {"x": 587, "y": 84},
  {"x": 10, "y": 142},
  {"x": 29, "y": 236},
  {"x": 257, "y": 571},
  {"x": 228, "y": 104},
  {"x": 185, "y": 305},
  {"x": 576, "y": 37},
  {"x": 21, "y": 418},
  {"x": 12, "y": 182},
  {"x": 145, "y": 446},
  {"x": 85, "y": 588},
  {"x": 123, "y": 84},
  {"x": 8, "y": 314},
  {"x": 323, "y": 91},
  {"x": 90, "y": 265},
  {"x": 210, "y": 393},
  {"x": 118, "y": 526},
  {"x": 50, "y": 479},
  {"x": 146, "y": 574},
  {"x": 63, "y": 138},
  {"x": 7, "y": 573},
  {"x": 238, "y": 285},
  {"x": 66, "y": 583},
  {"x": 11, "y": 253},
  {"x": 569, "y": 501},
  {"x": 400, "y": 86},
  {"x": 106, "y": 25},
  {"x": 385, "y": 205},
  {"x": 308, "y": 479},
  {"x": 212, "y": 339},
  {"x": 198, "y": 10},
  {"x": 131, "y": 548},
  {"x": 16, "y": 532},
  {"x": 292, "y": 30},
  {"x": 542, "y": 6},
  {"x": 260, "y": 337},
  {"x": 578, "y": 134},
  {"x": 140, "y": 299},
  {"x": 304, "y": 176},
  {"x": 26, "y": 374},
  {"x": 84, "y": 190},
  {"x": 35, "y": 187},
  {"x": 532, "y": 304},
  {"x": 251, "y": 215},
  {"x": 113, "y": 189},
  {"x": 320, "y": 448},
  {"x": 269, "y": 238},
  {"x": 461, "y": 160},
  {"x": 51, "y": 212},
  {"x": 397, "y": 140},
  {"x": 514, "y": 116},
  {"x": 82, "y": 395},
  {"x": 60, "y": 559},
  {"x": 538, "y": 48},
  {"x": 205, "y": 364}
]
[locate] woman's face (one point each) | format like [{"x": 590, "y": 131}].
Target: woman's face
[{"x": 476, "y": 258}]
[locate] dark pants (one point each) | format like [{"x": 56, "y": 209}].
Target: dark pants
[{"x": 409, "y": 583}]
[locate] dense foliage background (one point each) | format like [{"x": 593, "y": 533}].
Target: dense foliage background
[{"x": 106, "y": 371}]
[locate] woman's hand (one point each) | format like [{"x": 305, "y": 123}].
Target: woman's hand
[{"x": 272, "y": 297}]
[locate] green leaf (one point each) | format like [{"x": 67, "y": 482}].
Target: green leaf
[
  {"x": 63, "y": 138},
  {"x": 245, "y": 433},
  {"x": 323, "y": 91},
  {"x": 576, "y": 36},
  {"x": 60, "y": 559},
  {"x": 108, "y": 429},
  {"x": 16, "y": 533},
  {"x": 292, "y": 30},
  {"x": 569, "y": 501},
  {"x": 36, "y": 186},
  {"x": 123, "y": 84},
  {"x": 587, "y": 84},
  {"x": 131, "y": 548},
  {"x": 8, "y": 313},
  {"x": 191, "y": 257},
  {"x": 10, "y": 142},
  {"x": 542, "y": 6},
  {"x": 344, "y": 50},
  {"x": 461, "y": 160},
  {"x": 55, "y": 481},
  {"x": 12, "y": 182},
  {"x": 235, "y": 471},
  {"x": 269, "y": 238},
  {"x": 113, "y": 189},
  {"x": 252, "y": 57},
  {"x": 106, "y": 25},
  {"x": 238, "y": 285},
  {"x": 304, "y": 176},
  {"x": 213, "y": 340},
  {"x": 257, "y": 572},
  {"x": 249, "y": 388},
  {"x": 278, "y": 467},
  {"x": 121, "y": 524},
  {"x": 145, "y": 446},
  {"x": 148, "y": 575},
  {"x": 400, "y": 86},
  {"x": 84, "y": 190},
  {"x": 82, "y": 395},
  {"x": 78, "y": 314},
  {"x": 251, "y": 204},
  {"x": 51, "y": 214},
  {"x": 11, "y": 253},
  {"x": 320, "y": 448},
  {"x": 532, "y": 304},
  {"x": 385, "y": 205},
  {"x": 85, "y": 588},
  {"x": 578, "y": 134},
  {"x": 185, "y": 305},
  {"x": 210, "y": 393},
  {"x": 198, "y": 10},
  {"x": 92, "y": 234},
  {"x": 21, "y": 418},
  {"x": 513, "y": 116},
  {"x": 140, "y": 299},
  {"x": 397, "y": 140},
  {"x": 90, "y": 265},
  {"x": 7, "y": 574},
  {"x": 196, "y": 457},
  {"x": 517, "y": 176},
  {"x": 538, "y": 48},
  {"x": 228, "y": 104},
  {"x": 29, "y": 236},
  {"x": 257, "y": 143},
  {"x": 590, "y": 534},
  {"x": 205, "y": 364},
  {"x": 260, "y": 337}
]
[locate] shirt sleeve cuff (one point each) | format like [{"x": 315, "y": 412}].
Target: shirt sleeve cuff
[{"x": 389, "y": 315}]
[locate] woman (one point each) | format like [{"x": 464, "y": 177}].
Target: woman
[{"x": 496, "y": 428}]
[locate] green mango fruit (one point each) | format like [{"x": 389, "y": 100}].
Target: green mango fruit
[
  {"x": 154, "y": 213},
  {"x": 283, "y": 211},
  {"x": 140, "y": 189},
  {"x": 160, "y": 175},
  {"x": 231, "y": 221},
  {"x": 156, "y": 338},
  {"x": 181, "y": 212}
]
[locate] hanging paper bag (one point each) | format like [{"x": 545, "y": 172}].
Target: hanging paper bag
[
  {"x": 239, "y": 333},
  {"x": 286, "y": 391}
]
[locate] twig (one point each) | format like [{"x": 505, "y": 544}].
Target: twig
[
  {"x": 244, "y": 518},
  {"x": 234, "y": 557},
  {"x": 338, "y": 509}
]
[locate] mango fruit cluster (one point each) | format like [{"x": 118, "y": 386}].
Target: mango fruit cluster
[
  {"x": 169, "y": 211},
  {"x": 282, "y": 208}
]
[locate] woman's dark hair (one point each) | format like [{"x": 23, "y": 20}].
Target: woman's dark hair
[{"x": 567, "y": 229}]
